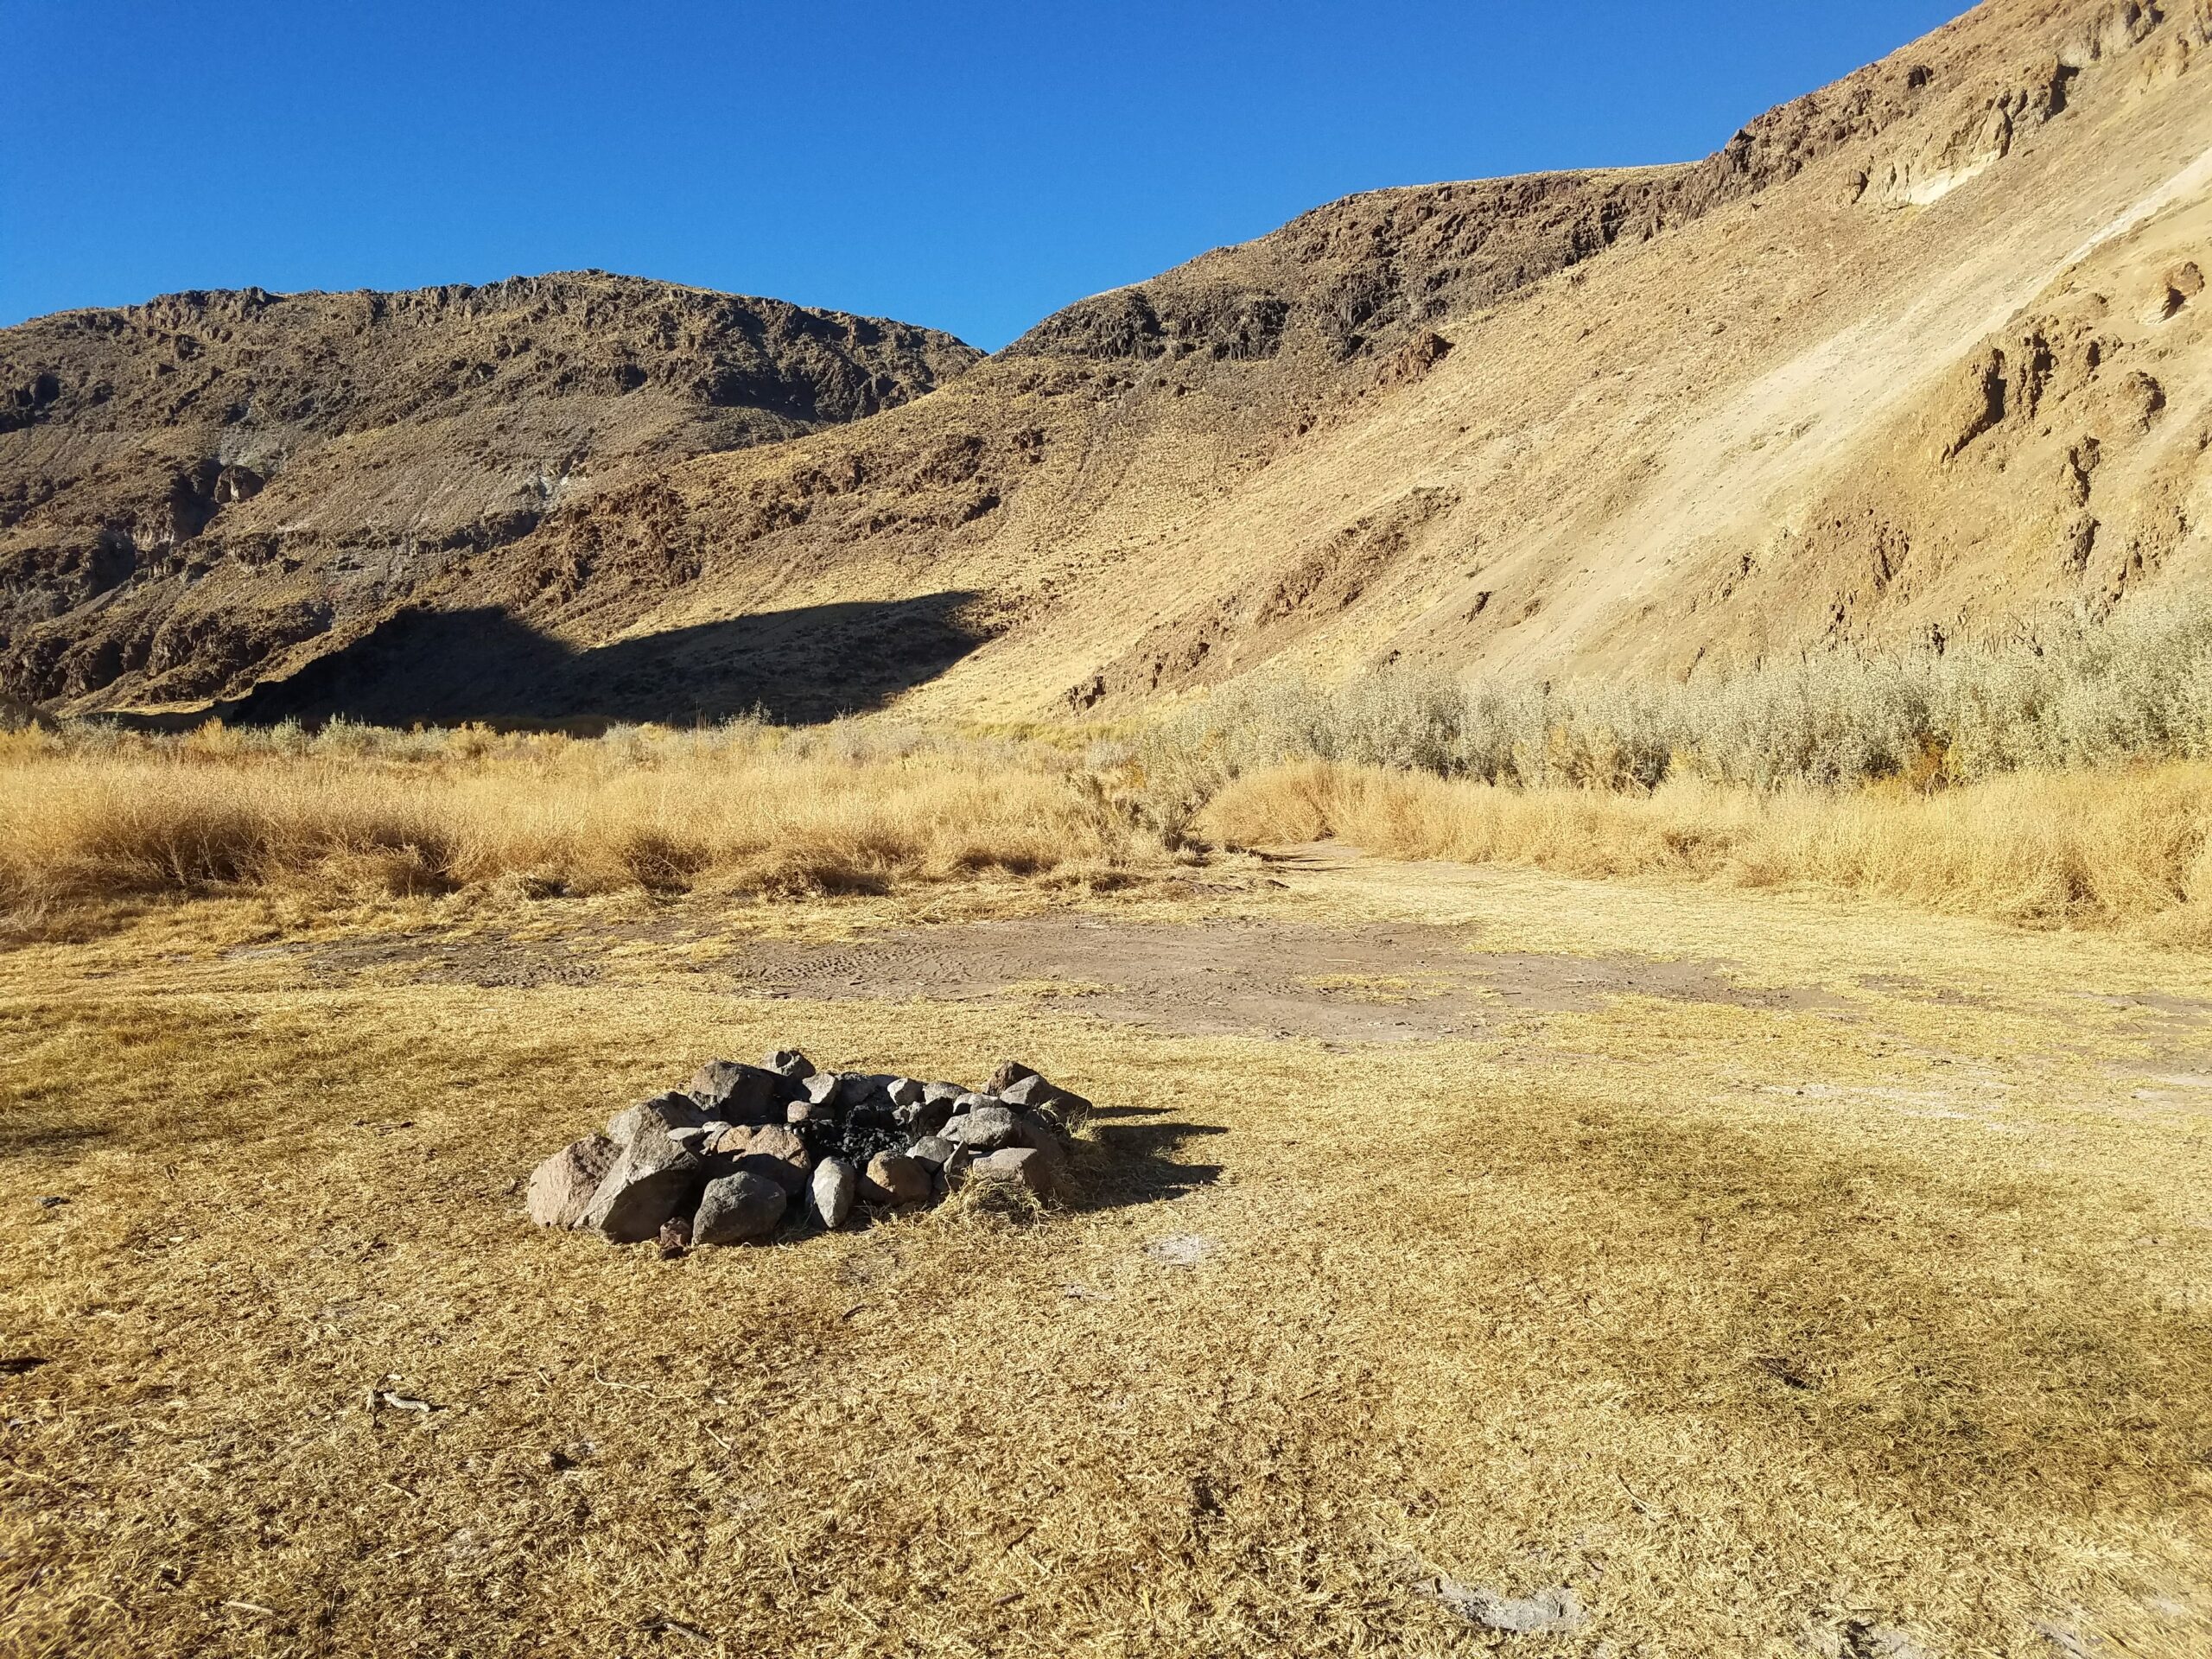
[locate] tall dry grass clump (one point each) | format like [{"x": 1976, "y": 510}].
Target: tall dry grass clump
[
  {"x": 2039, "y": 849},
  {"x": 90, "y": 813}
]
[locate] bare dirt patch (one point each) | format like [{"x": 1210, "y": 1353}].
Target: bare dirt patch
[{"x": 1361, "y": 983}]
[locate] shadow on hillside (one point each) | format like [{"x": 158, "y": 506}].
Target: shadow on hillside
[{"x": 442, "y": 668}]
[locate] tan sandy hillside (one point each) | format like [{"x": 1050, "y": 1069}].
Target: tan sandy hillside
[{"x": 1923, "y": 354}]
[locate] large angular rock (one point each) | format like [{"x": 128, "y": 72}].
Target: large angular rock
[
  {"x": 835, "y": 1183},
  {"x": 858, "y": 1088},
  {"x": 777, "y": 1154},
  {"x": 1023, "y": 1164},
  {"x": 984, "y": 1129},
  {"x": 1035, "y": 1136},
  {"x": 743, "y": 1094},
  {"x": 923, "y": 1117},
  {"x": 1023, "y": 1091},
  {"x": 821, "y": 1088},
  {"x": 944, "y": 1092},
  {"x": 652, "y": 1180},
  {"x": 777, "y": 1140},
  {"x": 932, "y": 1150},
  {"x": 1009, "y": 1073},
  {"x": 738, "y": 1207},
  {"x": 661, "y": 1112},
  {"x": 561, "y": 1188},
  {"x": 1032, "y": 1093},
  {"x": 904, "y": 1091},
  {"x": 904, "y": 1182}
]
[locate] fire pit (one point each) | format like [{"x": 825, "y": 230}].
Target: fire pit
[{"x": 747, "y": 1152}]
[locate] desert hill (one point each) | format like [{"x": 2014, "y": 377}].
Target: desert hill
[
  {"x": 191, "y": 487},
  {"x": 1921, "y": 355}
]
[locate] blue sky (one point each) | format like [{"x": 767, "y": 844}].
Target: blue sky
[{"x": 972, "y": 167}]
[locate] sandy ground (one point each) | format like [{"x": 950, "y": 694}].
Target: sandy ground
[{"x": 1743, "y": 1273}]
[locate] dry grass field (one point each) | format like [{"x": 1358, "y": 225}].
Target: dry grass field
[
  {"x": 96, "y": 826},
  {"x": 1774, "y": 1273}
]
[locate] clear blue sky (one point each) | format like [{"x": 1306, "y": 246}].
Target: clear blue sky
[{"x": 968, "y": 166}]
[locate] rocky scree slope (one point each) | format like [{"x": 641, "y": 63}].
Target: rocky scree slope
[{"x": 197, "y": 491}]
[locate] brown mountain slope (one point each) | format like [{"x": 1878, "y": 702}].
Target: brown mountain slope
[
  {"x": 188, "y": 485},
  {"x": 1922, "y": 353}
]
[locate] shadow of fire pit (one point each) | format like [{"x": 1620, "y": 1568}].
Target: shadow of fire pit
[{"x": 1129, "y": 1157}]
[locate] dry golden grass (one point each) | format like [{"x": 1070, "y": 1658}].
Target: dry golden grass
[
  {"x": 2122, "y": 848},
  {"x": 1746, "y": 1323},
  {"x": 754, "y": 812},
  {"x": 750, "y": 811}
]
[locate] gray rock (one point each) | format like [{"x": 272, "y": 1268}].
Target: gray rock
[
  {"x": 1039, "y": 1138},
  {"x": 821, "y": 1088},
  {"x": 1029, "y": 1090},
  {"x": 652, "y": 1180},
  {"x": 1033, "y": 1094},
  {"x": 776, "y": 1153},
  {"x": 835, "y": 1183},
  {"x": 904, "y": 1182},
  {"x": 743, "y": 1094},
  {"x": 561, "y": 1188},
  {"x": 738, "y": 1207},
  {"x": 858, "y": 1088},
  {"x": 791, "y": 1177},
  {"x": 904, "y": 1091},
  {"x": 788, "y": 1063},
  {"x": 693, "y": 1136},
  {"x": 969, "y": 1100},
  {"x": 932, "y": 1150},
  {"x": 1009, "y": 1073},
  {"x": 661, "y": 1112},
  {"x": 984, "y": 1129},
  {"x": 945, "y": 1091},
  {"x": 809, "y": 1111},
  {"x": 1023, "y": 1164},
  {"x": 923, "y": 1117}
]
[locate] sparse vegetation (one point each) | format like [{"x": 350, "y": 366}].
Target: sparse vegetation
[
  {"x": 2068, "y": 783},
  {"x": 2041, "y": 848},
  {"x": 2058, "y": 782},
  {"x": 88, "y": 813},
  {"x": 2087, "y": 695}
]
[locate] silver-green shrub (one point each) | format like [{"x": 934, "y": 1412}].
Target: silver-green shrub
[{"x": 2082, "y": 694}]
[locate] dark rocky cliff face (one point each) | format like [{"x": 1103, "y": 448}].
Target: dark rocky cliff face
[{"x": 314, "y": 455}]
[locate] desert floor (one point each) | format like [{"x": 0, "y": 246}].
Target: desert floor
[{"x": 1768, "y": 1274}]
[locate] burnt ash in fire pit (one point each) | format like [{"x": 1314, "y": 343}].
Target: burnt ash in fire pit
[{"x": 748, "y": 1152}]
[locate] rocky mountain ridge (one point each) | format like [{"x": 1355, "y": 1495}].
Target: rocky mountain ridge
[
  {"x": 1919, "y": 355},
  {"x": 163, "y": 467}
]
